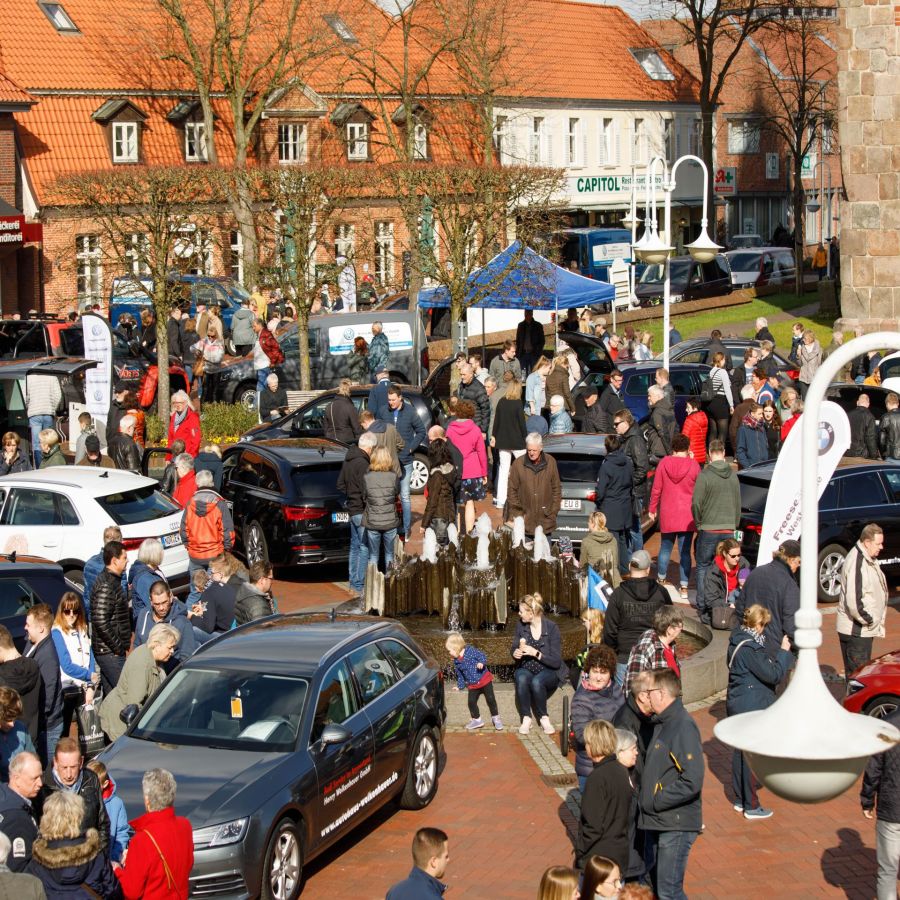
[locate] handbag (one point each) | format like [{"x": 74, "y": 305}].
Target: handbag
[
  {"x": 723, "y": 618},
  {"x": 91, "y": 738}
]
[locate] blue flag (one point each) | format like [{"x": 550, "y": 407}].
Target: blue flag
[{"x": 599, "y": 590}]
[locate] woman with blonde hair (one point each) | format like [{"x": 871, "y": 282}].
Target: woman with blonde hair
[
  {"x": 643, "y": 349},
  {"x": 537, "y": 650},
  {"x": 69, "y": 861},
  {"x": 558, "y": 381},
  {"x": 754, "y": 672},
  {"x": 535, "y": 392},
  {"x": 559, "y": 883},
  {"x": 381, "y": 487},
  {"x": 508, "y": 436},
  {"x": 51, "y": 449}
]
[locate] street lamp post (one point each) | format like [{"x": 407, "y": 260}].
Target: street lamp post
[
  {"x": 806, "y": 747},
  {"x": 815, "y": 206},
  {"x": 631, "y": 221},
  {"x": 655, "y": 250}
]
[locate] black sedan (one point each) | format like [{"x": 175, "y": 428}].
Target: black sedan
[
  {"x": 284, "y": 498},
  {"x": 283, "y": 736},
  {"x": 308, "y": 420},
  {"x": 860, "y": 491}
]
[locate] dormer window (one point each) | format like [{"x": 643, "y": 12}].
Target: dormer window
[
  {"x": 420, "y": 141},
  {"x": 355, "y": 121},
  {"x": 652, "y": 63},
  {"x": 291, "y": 143},
  {"x": 420, "y": 120},
  {"x": 195, "y": 142},
  {"x": 125, "y": 142},
  {"x": 357, "y": 140},
  {"x": 59, "y": 18}
]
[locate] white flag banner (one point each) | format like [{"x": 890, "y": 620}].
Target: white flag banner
[
  {"x": 781, "y": 520},
  {"x": 98, "y": 381}
]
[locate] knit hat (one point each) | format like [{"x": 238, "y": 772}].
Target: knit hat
[{"x": 92, "y": 443}]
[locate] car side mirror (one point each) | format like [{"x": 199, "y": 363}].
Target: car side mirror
[
  {"x": 129, "y": 713},
  {"x": 334, "y": 734}
]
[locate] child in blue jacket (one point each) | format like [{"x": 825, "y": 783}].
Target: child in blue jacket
[
  {"x": 119, "y": 829},
  {"x": 472, "y": 673}
]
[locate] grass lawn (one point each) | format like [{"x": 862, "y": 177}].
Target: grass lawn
[{"x": 740, "y": 320}]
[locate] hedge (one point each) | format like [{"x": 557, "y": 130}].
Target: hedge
[{"x": 222, "y": 423}]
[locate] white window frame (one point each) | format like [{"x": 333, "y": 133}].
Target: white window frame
[
  {"x": 196, "y": 249},
  {"x": 502, "y": 138},
  {"x": 384, "y": 253},
  {"x": 669, "y": 143},
  {"x": 695, "y": 141},
  {"x": 291, "y": 143},
  {"x": 639, "y": 142},
  {"x": 652, "y": 63},
  {"x": 608, "y": 145},
  {"x": 743, "y": 137},
  {"x": 344, "y": 240},
  {"x": 137, "y": 251},
  {"x": 357, "y": 141},
  {"x": 195, "y": 142},
  {"x": 236, "y": 245},
  {"x": 89, "y": 267},
  {"x": 537, "y": 141},
  {"x": 420, "y": 141},
  {"x": 125, "y": 142},
  {"x": 827, "y": 138},
  {"x": 575, "y": 155}
]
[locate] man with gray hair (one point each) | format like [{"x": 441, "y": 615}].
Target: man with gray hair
[
  {"x": 16, "y": 810},
  {"x": 184, "y": 423},
  {"x": 162, "y": 849},
  {"x": 122, "y": 449},
  {"x": 207, "y": 528},
  {"x": 351, "y": 483},
  {"x": 534, "y": 490},
  {"x": 187, "y": 479},
  {"x": 273, "y": 402}
]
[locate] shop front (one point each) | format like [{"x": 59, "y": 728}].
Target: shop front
[{"x": 20, "y": 260}]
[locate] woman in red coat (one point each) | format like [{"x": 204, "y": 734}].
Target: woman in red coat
[
  {"x": 184, "y": 424},
  {"x": 161, "y": 853},
  {"x": 695, "y": 427}
]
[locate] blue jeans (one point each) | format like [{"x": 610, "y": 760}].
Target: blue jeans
[
  {"x": 635, "y": 534},
  {"x": 621, "y": 672},
  {"x": 582, "y": 781},
  {"x": 359, "y": 553},
  {"x": 622, "y": 543},
  {"x": 110, "y": 667},
  {"x": 742, "y": 781},
  {"x": 261, "y": 376},
  {"x": 705, "y": 551},
  {"x": 38, "y": 424},
  {"x": 532, "y": 691},
  {"x": 48, "y": 741},
  {"x": 667, "y": 541},
  {"x": 375, "y": 539},
  {"x": 404, "y": 496},
  {"x": 672, "y": 851}
]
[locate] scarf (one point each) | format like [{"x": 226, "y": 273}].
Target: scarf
[
  {"x": 586, "y": 683},
  {"x": 759, "y": 638},
  {"x": 180, "y": 417},
  {"x": 750, "y": 422}
]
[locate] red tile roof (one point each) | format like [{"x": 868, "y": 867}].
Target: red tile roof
[{"x": 10, "y": 92}]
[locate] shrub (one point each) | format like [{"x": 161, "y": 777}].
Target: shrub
[{"x": 224, "y": 423}]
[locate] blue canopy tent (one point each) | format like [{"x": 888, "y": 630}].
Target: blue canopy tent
[{"x": 529, "y": 282}]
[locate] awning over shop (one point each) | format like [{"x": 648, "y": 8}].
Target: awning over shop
[{"x": 519, "y": 278}]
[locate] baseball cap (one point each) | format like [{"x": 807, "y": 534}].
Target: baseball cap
[
  {"x": 790, "y": 549},
  {"x": 640, "y": 559},
  {"x": 92, "y": 443}
]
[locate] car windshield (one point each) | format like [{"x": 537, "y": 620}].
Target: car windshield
[
  {"x": 655, "y": 274},
  {"x": 227, "y": 708},
  {"x": 236, "y": 289},
  {"x": 140, "y": 505},
  {"x": 744, "y": 262}
]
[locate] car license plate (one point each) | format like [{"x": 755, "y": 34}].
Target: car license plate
[
  {"x": 571, "y": 504},
  {"x": 171, "y": 540},
  {"x": 340, "y": 517}
]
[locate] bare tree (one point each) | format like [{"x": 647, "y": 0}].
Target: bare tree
[
  {"x": 243, "y": 50},
  {"x": 795, "y": 97},
  {"x": 151, "y": 221},
  {"x": 303, "y": 206},
  {"x": 473, "y": 207}
]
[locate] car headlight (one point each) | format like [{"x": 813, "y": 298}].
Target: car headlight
[
  {"x": 854, "y": 686},
  {"x": 221, "y": 835}
]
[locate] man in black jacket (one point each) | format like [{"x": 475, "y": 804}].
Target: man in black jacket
[
  {"x": 611, "y": 401},
  {"x": 342, "y": 417},
  {"x": 173, "y": 332},
  {"x": 631, "y": 609},
  {"x": 863, "y": 432},
  {"x": 671, "y": 810},
  {"x": 635, "y": 715},
  {"x": 662, "y": 423},
  {"x": 592, "y": 418},
  {"x": 68, "y": 774},
  {"x": 529, "y": 341},
  {"x": 403, "y": 416},
  {"x": 40, "y": 648},
  {"x": 471, "y": 389},
  {"x": 635, "y": 448},
  {"x": 117, "y": 411},
  {"x": 122, "y": 449},
  {"x": 24, "y": 677},
  {"x": 889, "y": 429},
  {"x": 351, "y": 483},
  {"x": 110, "y": 616},
  {"x": 273, "y": 401},
  {"x": 882, "y": 781}
]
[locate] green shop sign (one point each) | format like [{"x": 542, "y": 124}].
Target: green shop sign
[{"x": 612, "y": 184}]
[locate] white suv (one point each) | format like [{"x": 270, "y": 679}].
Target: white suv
[{"x": 60, "y": 513}]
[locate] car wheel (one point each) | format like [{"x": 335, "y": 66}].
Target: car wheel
[
  {"x": 246, "y": 396},
  {"x": 230, "y": 347},
  {"x": 882, "y": 706},
  {"x": 422, "y": 778},
  {"x": 255, "y": 547},
  {"x": 419, "y": 477},
  {"x": 283, "y": 866},
  {"x": 831, "y": 561}
]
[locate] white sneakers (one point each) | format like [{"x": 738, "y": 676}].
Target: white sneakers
[
  {"x": 525, "y": 727},
  {"x": 547, "y": 725}
]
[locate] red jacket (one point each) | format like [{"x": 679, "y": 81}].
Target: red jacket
[
  {"x": 271, "y": 347},
  {"x": 144, "y": 876},
  {"x": 207, "y": 529},
  {"x": 187, "y": 487},
  {"x": 787, "y": 425},
  {"x": 188, "y": 431},
  {"x": 694, "y": 429},
  {"x": 673, "y": 488}
]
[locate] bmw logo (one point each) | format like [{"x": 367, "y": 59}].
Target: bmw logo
[
  {"x": 826, "y": 438},
  {"x": 348, "y": 334}
]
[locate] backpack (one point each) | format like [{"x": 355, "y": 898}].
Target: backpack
[{"x": 707, "y": 390}]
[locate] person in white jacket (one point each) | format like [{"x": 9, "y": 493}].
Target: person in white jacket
[
  {"x": 44, "y": 395},
  {"x": 864, "y": 595}
]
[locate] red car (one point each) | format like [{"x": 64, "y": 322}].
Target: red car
[{"x": 875, "y": 688}]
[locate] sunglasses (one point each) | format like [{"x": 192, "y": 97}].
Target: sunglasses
[{"x": 733, "y": 555}]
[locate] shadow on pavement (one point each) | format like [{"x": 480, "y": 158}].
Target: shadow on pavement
[
  {"x": 718, "y": 758},
  {"x": 851, "y": 866}
]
